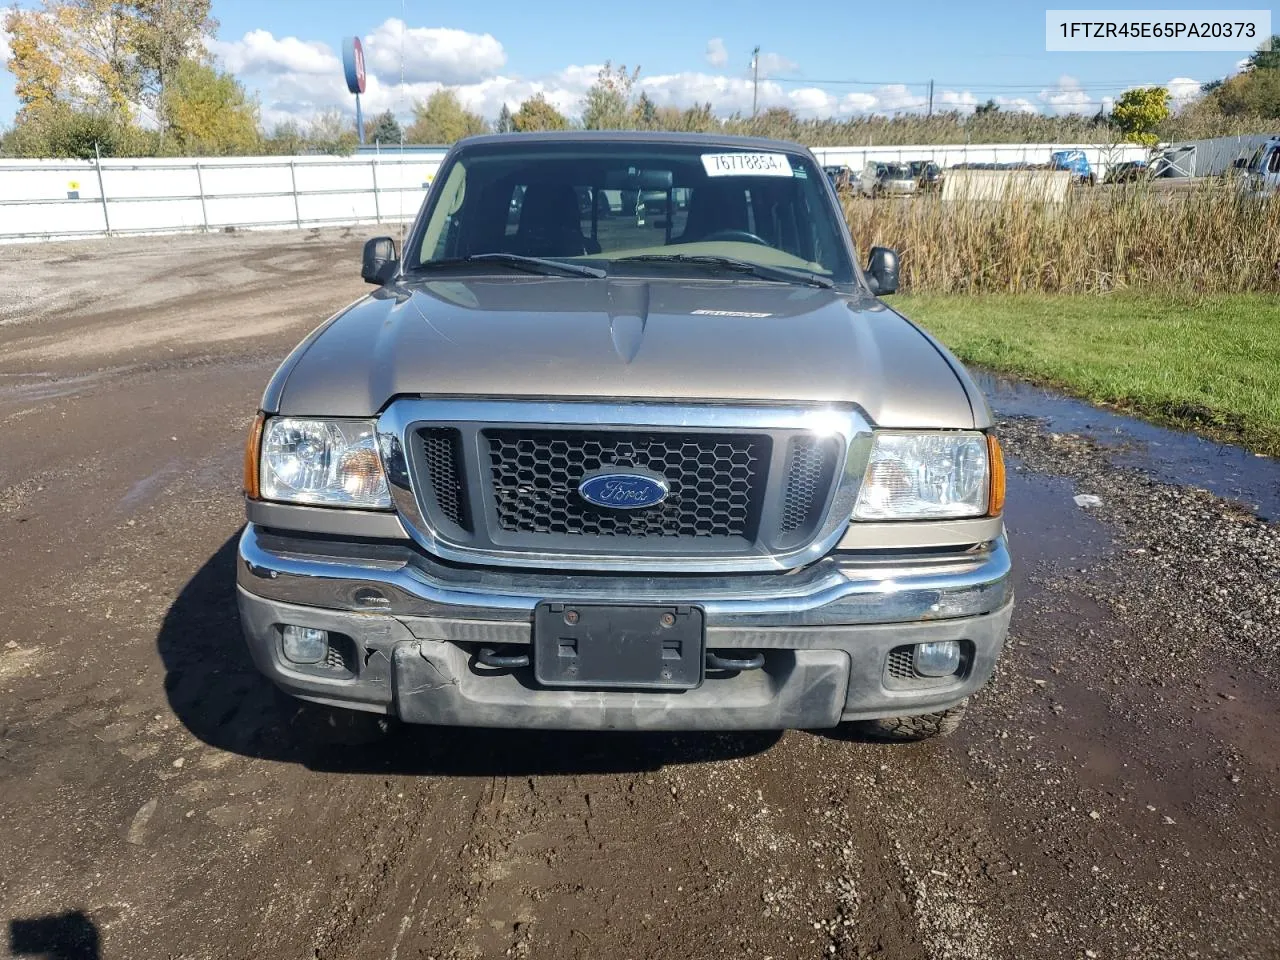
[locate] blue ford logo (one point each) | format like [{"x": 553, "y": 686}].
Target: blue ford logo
[{"x": 623, "y": 491}]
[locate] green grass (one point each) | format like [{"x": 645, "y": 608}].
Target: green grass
[{"x": 1210, "y": 363}]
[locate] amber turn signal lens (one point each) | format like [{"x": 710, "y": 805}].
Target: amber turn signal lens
[
  {"x": 251, "y": 448},
  {"x": 996, "y": 459}
]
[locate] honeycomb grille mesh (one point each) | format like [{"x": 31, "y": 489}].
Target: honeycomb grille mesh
[
  {"x": 715, "y": 482},
  {"x": 442, "y": 451},
  {"x": 807, "y": 483},
  {"x": 900, "y": 667}
]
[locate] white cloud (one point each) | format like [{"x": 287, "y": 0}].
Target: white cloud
[
  {"x": 725, "y": 94},
  {"x": 813, "y": 102},
  {"x": 717, "y": 55},
  {"x": 855, "y": 103},
  {"x": 5, "y": 51},
  {"x": 961, "y": 100},
  {"x": 432, "y": 53},
  {"x": 259, "y": 52},
  {"x": 297, "y": 79},
  {"x": 1183, "y": 90},
  {"x": 1017, "y": 105},
  {"x": 898, "y": 97},
  {"x": 772, "y": 64},
  {"x": 1067, "y": 97}
]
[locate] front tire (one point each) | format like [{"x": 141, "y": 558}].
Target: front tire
[{"x": 926, "y": 726}]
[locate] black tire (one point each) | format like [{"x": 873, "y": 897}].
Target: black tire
[{"x": 926, "y": 726}]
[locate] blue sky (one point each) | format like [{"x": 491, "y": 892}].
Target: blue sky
[{"x": 496, "y": 51}]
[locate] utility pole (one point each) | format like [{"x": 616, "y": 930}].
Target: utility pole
[
  {"x": 931, "y": 98},
  {"x": 755, "y": 80}
]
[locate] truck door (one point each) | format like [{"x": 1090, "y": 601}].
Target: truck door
[{"x": 1270, "y": 170}]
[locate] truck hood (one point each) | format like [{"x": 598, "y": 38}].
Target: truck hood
[{"x": 637, "y": 339}]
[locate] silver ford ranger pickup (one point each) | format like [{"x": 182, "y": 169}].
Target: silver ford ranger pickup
[{"x": 624, "y": 440}]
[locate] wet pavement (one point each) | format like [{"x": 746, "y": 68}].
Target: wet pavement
[{"x": 1175, "y": 456}]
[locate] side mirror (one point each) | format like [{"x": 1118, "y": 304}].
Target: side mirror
[
  {"x": 379, "y": 263},
  {"x": 1240, "y": 163},
  {"x": 882, "y": 271}
]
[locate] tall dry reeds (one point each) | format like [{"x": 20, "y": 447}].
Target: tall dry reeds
[{"x": 1209, "y": 237}]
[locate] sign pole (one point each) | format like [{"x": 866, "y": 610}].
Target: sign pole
[{"x": 353, "y": 70}]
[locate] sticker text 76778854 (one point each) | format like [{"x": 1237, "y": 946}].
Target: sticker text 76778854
[{"x": 746, "y": 164}]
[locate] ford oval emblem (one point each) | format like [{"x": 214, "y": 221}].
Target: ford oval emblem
[{"x": 623, "y": 491}]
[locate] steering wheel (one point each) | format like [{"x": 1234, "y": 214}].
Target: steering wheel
[{"x": 743, "y": 236}]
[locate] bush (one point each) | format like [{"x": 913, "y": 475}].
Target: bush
[
  {"x": 65, "y": 132},
  {"x": 1209, "y": 238}
]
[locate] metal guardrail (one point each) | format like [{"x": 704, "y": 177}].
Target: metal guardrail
[{"x": 203, "y": 196}]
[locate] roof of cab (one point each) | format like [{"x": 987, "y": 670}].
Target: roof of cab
[{"x": 632, "y": 136}]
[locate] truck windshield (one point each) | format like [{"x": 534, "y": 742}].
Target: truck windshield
[{"x": 655, "y": 206}]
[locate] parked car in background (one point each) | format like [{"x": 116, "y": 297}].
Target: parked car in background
[
  {"x": 1262, "y": 170},
  {"x": 841, "y": 177},
  {"x": 887, "y": 178},
  {"x": 1075, "y": 162},
  {"x": 1130, "y": 171},
  {"x": 928, "y": 175}
]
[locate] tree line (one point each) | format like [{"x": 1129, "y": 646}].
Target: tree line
[{"x": 134, "y": 78}]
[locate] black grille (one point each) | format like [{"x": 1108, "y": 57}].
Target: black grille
[
  {"x": 442, "y": 452},
  {"x": 715, "y": 482},
  {"x": 808, "y": 480},
  {"x": 340, "y": 657},
  {"x": 900, "y": 665}
]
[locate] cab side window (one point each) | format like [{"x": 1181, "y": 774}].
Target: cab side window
[{"x": 1273, "y": 166}]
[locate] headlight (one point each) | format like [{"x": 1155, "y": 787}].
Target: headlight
[
  {"x": 327, "y": 462},
  {"x": 926, "y": 476}
]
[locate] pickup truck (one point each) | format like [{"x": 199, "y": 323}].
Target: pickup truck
[
  {"x": 571, "y": 472},
  {"x": 1076, "y": 163}
]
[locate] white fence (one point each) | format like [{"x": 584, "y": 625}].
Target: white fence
[{"x": 65, "y": 199}]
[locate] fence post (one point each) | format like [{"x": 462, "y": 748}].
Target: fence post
[
  {"x": 204, "y": 213},
  {"x": 377, "y": 205},
  {"x": 293, "y": 179},
  {"x": 102, "y": 192}
]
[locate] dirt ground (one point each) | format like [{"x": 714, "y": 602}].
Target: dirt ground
[{"x": 1112, "y": 794}]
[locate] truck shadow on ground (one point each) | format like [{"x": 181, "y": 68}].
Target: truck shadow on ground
[
  {"x": 218, "y": 694},
  {"x": 64, "y": 936}
]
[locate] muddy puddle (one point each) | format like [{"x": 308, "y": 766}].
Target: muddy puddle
[
  {"x": 1047, "y": 529},
  {"x": 1172, "y": 456}
]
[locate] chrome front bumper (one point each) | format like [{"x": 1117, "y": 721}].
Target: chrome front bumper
[{"x": 827, "y": 630}]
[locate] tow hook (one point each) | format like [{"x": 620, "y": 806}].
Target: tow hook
[
  {"x": 491, "y": 658},
  {"x": 743, "y": 661}
]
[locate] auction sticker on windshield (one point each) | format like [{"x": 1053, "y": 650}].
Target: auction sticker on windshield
[{"x": 746, "y": 164}]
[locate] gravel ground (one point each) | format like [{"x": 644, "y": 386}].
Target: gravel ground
[{"x": 1113, "y": 793}]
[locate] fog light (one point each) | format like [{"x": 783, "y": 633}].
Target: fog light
[
  {"x": 305, "y": 644},
  {"x": 936, "y": 659}
]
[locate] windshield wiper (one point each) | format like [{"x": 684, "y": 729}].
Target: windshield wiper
[
  {"x": 540, "y": 265},
  {"x": 762, "y": 270}
]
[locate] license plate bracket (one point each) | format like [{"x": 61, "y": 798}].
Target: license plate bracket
[{"x": 630, "y": 647}]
